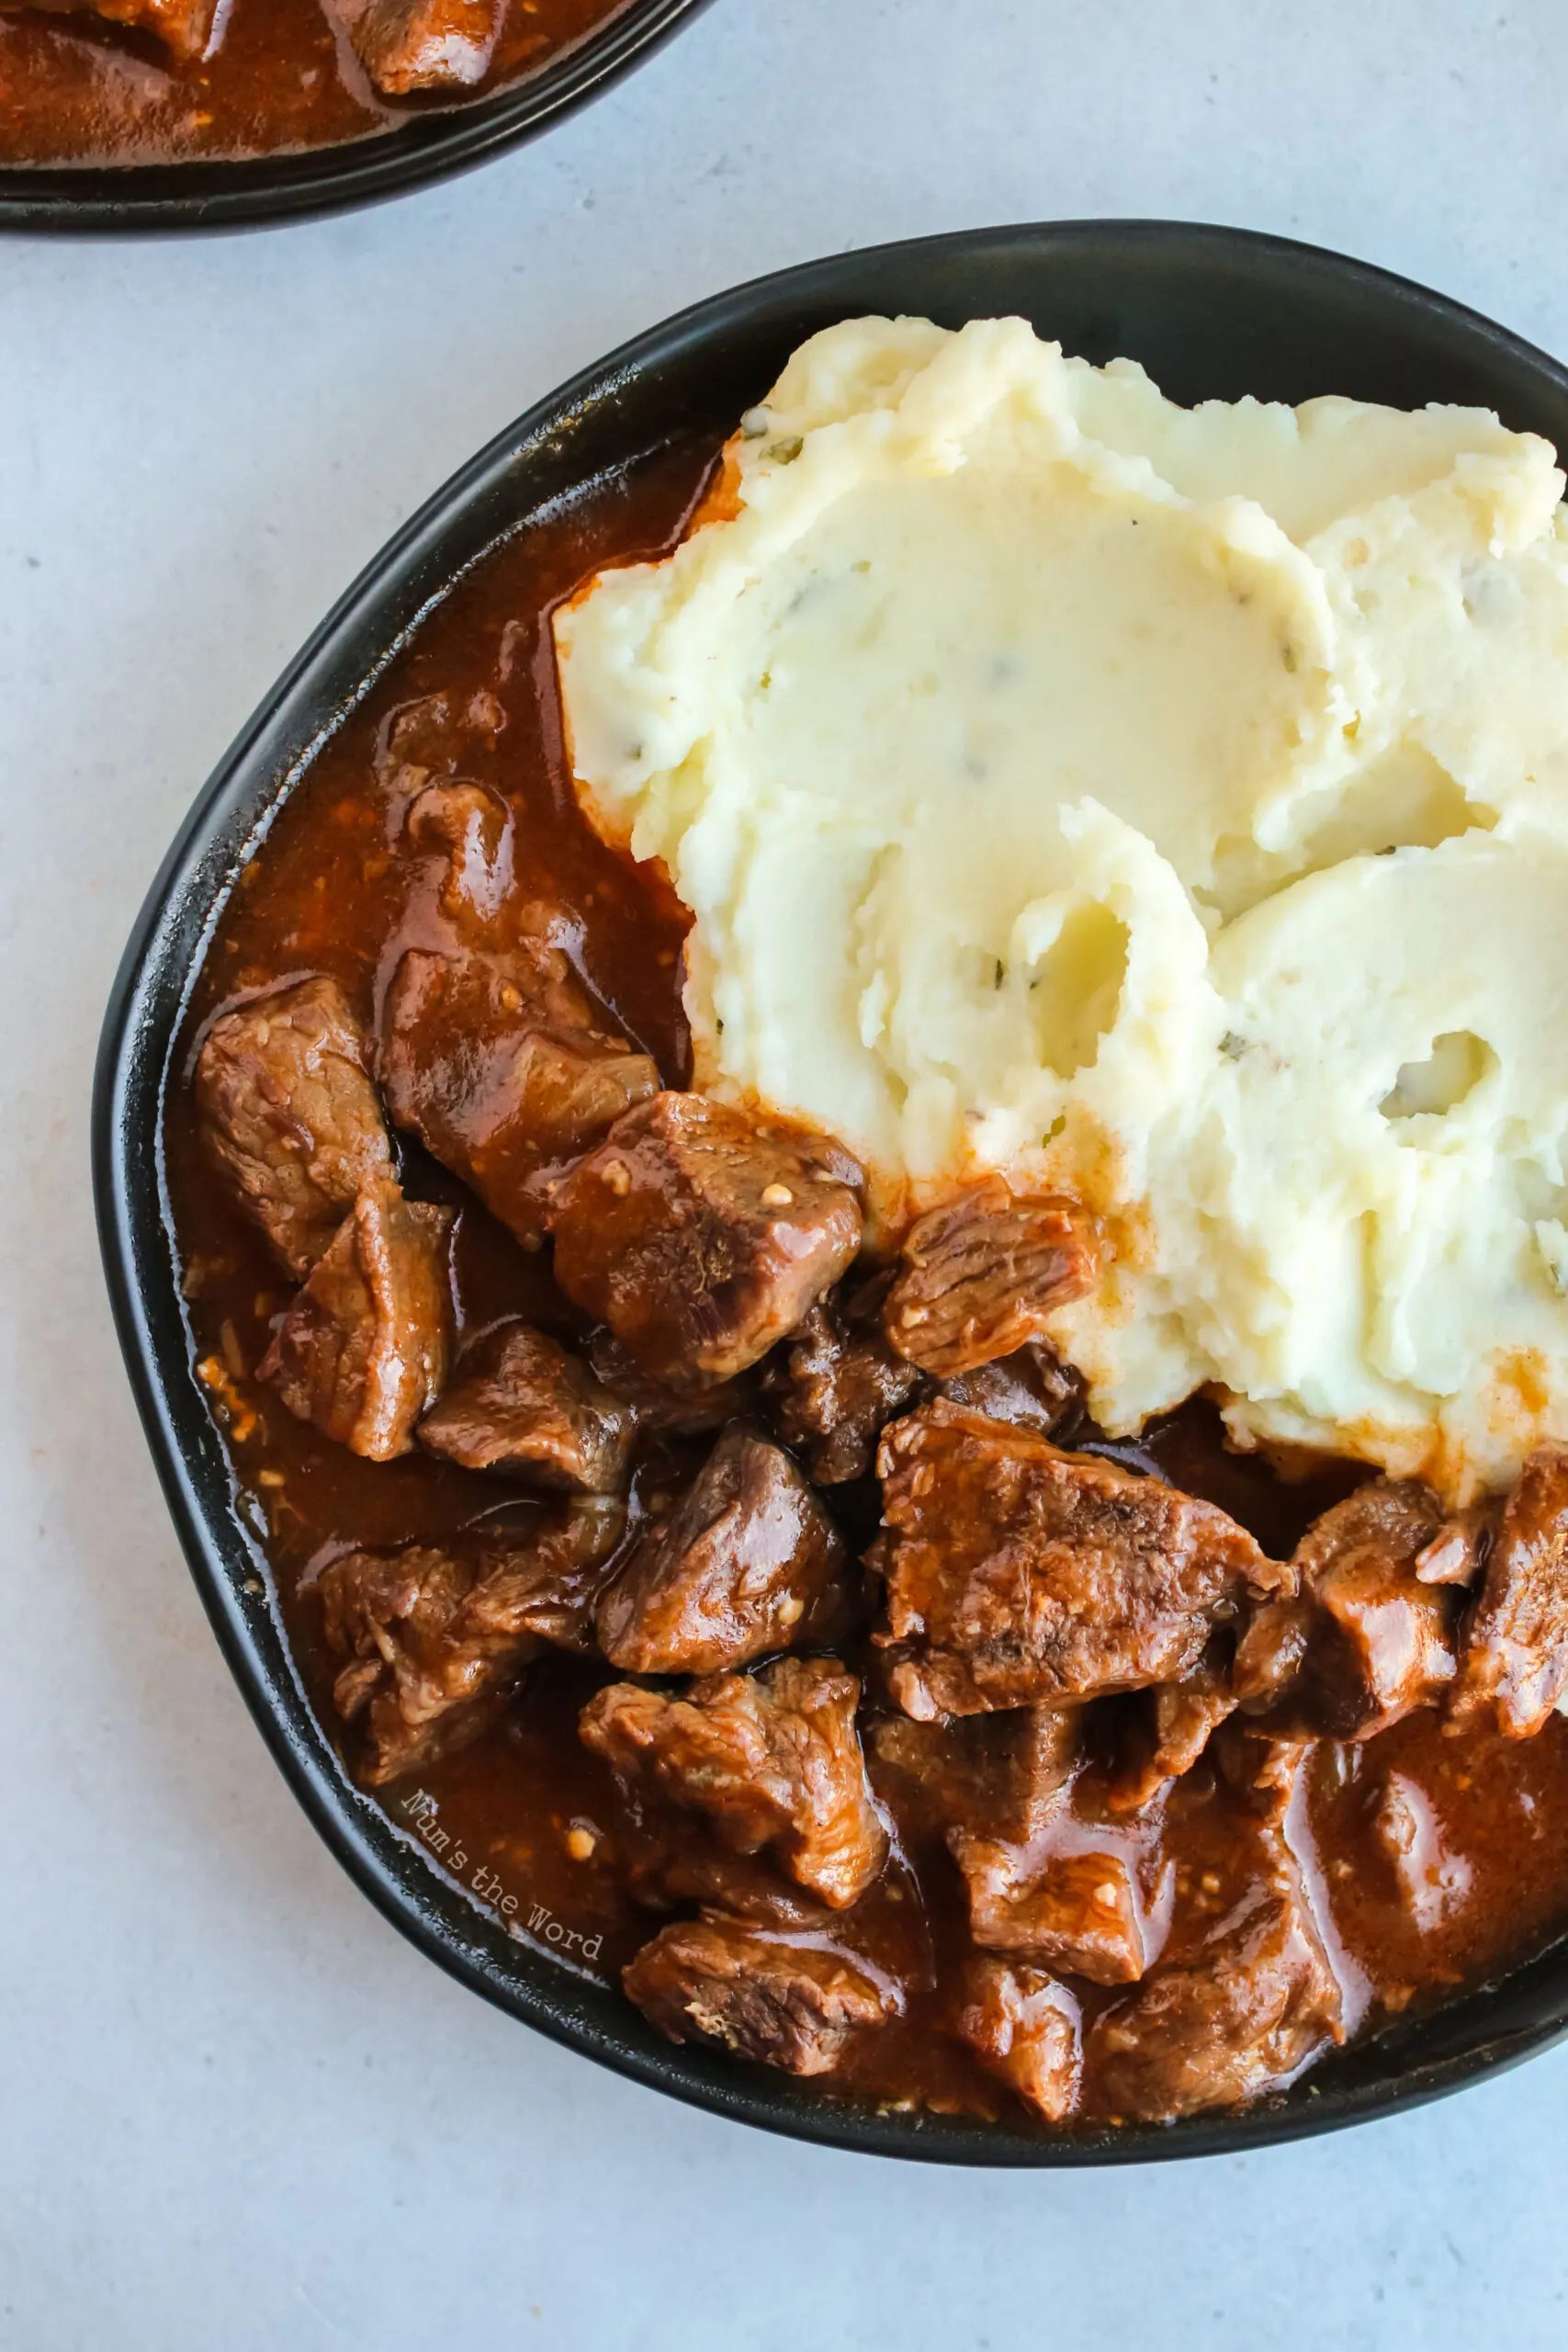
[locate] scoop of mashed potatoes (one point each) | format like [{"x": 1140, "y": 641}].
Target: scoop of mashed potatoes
[{"x": 1168, "y": 806}]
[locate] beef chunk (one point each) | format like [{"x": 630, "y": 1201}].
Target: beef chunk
[
  {"x": 521, "y": 1405},
  {"x": 409, "y": 45},
  {"x": 494, "y": 1062},
  {"x": 655, "y": 1405},
  {"x": 979, "y": 1276},
  {"x": 1026, "y": 2029},
  {"x": 1077, "y": 1912},
  {"x": 421, "y": 1683},
  {"x": 1364, "y": 1641},
  {"x": 288, "y": 1114},
  {"x": 770, "y": 1759},
  {"x": 471, "y": 826},
  {"x": 362, "y": 1350},
  {"x": 747, "y": 1562},
  {"x": 1242, "y": 2016},
  {"x": 1016, "y": 1572},
  {"x": 999, "y": 1776},
  {"x": 1032, "y": 1389},
  {"x": 795, "y": 2005},
  {"x": 841, "y": 1383},
  {"x": 700, "y": 1236},
  {"x": 1181, "y": 1715},
  {"x": 184, "y": 26},
  {"x": 1515, "y": 1667},
  {"x": 547, "y": 1587},
  {"x": 436, "y": 1643}
]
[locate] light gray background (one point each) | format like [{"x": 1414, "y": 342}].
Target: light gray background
[{"x": 237, "y": 2114}]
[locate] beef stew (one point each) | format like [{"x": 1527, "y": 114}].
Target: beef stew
[{"x": 1195, "y": 1784}]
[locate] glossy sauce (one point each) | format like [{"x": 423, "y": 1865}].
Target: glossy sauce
[
  {"x": 284, "y": 76},
  {"x": 1481, "y": 1875}
]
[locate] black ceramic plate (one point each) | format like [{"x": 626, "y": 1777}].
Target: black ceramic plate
[
  {"x": 202, "y": 195},
  {"x": 1211, "y": 312}
]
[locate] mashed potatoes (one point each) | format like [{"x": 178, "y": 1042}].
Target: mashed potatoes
[{"x": 1168, "y": 806}]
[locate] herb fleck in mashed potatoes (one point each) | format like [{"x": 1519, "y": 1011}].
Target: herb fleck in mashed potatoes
[{"x": 1169, "y": 805}]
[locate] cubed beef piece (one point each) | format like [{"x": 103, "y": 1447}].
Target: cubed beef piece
[
  {"x": 1515, "y": 1667},
  {"x": 772, "y": 1760},
  {"x": 793, "y": 2006},
  {"x": 1016, "y": 1572},
  {"x": 288, "y": 1115},
  {"x": 419, "y": 1681},
  {"x": 495, "y": 1064},
  {"x": 747, "y": 1562},
  {"x": 362, "y": 1350},
  {"x": 841, "y": 1383},
  {"x": 470, "y": 826},
  {"x": 674, "y": 1412},
  {"x": 1075, "y": 1912},
  {"x": 409, "y": 45},
  {"x": 1176, "y": 1731},
  {"x": 1025, "y": 2029},
  {"x": 520, "y": 1404},
  {"x": 1032, "y": 1389},
  {"x": 1242, "y": 2016},
  {"x": 1364, "y": 1641},
  {"x": 184, "y": 26},
  {"x": 701, "y": 1235},
  {"x": 980, "y": 1275},
  {"x": 1000, "y": 1776},
  {"x": 436, "y": 1643}
]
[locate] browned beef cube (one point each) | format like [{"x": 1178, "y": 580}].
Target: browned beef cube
[
  {"x": 362, "y": 1350},
  {"x": 1016, "y": 1572},
  {"x": 1364, "y": 1641},
  {"x": 1242, "y": 2016},
  {"x": 494, "y": 1062},
  {"x": 547, "y": 1587},
  {"x": 841, "y": 1383},
  {"x": 1032, "y": 1389},
  {"x": 1027, "y": 2029},
  {"x": 520, "y": 1404},
  {"x": 422, "y": 1685},
  {"x": 436, "y": 1644},
  {"x": 1181, "y": 1715},
  {"x": 471, "y": 827},
  {"x": 1000, "y": 1776},
  {"x": 770, "y": 1760},
  {"x": 1075, "y": 1912},
  {"x": 979, "y": 1276},
  {"x": 408, "y": 45},
  {"x": 1515, "y": 1667},
  {"x": 654, "y": 1405},
  {"x": 289, "y": 1116},
  {"x": 793, "y": 2006},
  {"x": 700, "y": 1236},
  {"x": 184, "y": 26},
  {"x": 747, "y": 1562}
]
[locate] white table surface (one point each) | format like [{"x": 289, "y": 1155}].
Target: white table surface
[{"x": 237, "y": 2112}]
